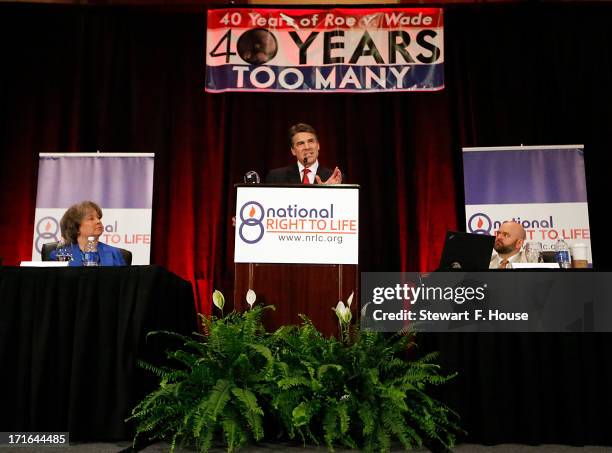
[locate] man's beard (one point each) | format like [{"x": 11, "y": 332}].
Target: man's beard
[{"x": 503, "y": 250}]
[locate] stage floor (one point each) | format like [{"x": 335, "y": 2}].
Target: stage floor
[{"x": 160, "y": 447}]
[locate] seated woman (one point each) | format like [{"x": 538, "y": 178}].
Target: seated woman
[{"x": 80, "y": 221}]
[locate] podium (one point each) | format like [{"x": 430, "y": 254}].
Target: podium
[{"x": 297, "y": 247}]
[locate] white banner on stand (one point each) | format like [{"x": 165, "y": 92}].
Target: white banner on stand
[
  {"x": 120, "y": 183},
  {"x": 541, "y": 187}
]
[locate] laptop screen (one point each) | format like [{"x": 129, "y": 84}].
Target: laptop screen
[{"x": 466, "y": 251}]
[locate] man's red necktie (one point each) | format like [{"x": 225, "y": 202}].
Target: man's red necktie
[{"x": 306, "y": 180}]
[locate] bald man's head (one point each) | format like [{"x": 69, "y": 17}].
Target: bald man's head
[{"x": 510, "y": 238}]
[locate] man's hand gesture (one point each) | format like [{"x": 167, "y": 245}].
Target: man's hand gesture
[{"x": 335, "y": 178}]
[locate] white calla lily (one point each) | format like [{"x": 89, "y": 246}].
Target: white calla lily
[
  {"x": 339, "y": 307},
  {"x": 218, "y": 299},
  {"x": 251, "y": 297},
  {"x": 343, "y": 312},
  {"x": 347, "y": 315},
  {"x": 350, "y": 299}
]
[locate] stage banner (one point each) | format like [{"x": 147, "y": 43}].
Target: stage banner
[
  {"x": 314, "y": 224},
  {"x": 120, "y": 183},
  {"x": 541, "y": 187},
  {"x": 325, "y": 50}
]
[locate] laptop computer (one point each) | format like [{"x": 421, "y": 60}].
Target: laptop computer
[{"x": 466, "y": 251}]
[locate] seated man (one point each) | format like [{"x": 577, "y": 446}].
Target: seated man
[
  {"x": 304, "y": 145},
  {"x": 507, "y": 248}
]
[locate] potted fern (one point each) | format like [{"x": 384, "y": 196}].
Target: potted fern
[{"x": 230, "y": 383}]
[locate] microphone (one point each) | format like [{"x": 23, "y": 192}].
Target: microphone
[{"x": 251, "y": 177}]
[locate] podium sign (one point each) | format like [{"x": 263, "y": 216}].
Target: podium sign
[{"x": 297, "y": 224}]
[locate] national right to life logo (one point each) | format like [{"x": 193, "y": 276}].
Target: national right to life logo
[
  {"x": 47, "y": 230},
  {"x": 480, "y": 223},
  {"x": 251, "y": 228}
]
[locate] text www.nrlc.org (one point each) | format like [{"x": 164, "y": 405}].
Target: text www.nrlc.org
[{"x": 310, "y": 238}]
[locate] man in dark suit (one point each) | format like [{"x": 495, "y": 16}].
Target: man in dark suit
[{"x": 304, "y": 146}]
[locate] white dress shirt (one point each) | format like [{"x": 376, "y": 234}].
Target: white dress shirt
[
  {"x": 313, "y": 171},
  {"x": 516, "y": 258}
]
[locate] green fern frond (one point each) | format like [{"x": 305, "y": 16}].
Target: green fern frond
[
  {"x": 303, "y": 412},
  {"x": 383, "y": 439},
  {"x": 395, "y": 396},
  {"x": 264, "y": 351},
  {"x": 234, "y": 435},
  {"x": 368, "y": 416},
  {"x": 167, "y": 333},
  {"x": 294, "y": 381},
  {"x": 326, "y": 368},
  {"x": 204, "y": 440},
  {"x": 207, "y": 411},
  {"x": 330, "y": 425},
  {"x": 219, "y": 396},
  {"x": 253, "y": 412},
  {"x": 157, "y": 371},
  {"x": 343, "y": 417}
]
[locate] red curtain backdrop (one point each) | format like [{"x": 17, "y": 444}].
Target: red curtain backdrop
[{"x": 81, "y": 79}]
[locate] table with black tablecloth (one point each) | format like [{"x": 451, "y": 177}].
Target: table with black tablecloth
[
  {"x": 551, "y": 387},
  {"x": 528, "y": 388},
  {"x": 544, "y": 377},
  {"x": 70, "y": 339}
]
